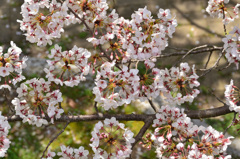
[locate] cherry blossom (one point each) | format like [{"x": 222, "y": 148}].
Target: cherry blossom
[
  {"x": 50, "y": 154},
  {"x": 143, "y": 37},
  {"x": 139, "y": 39},
  {"x": 179, "y": 83},
  {"x": 111, "y": 140},
  {"x": 232, "y": 46},
  {"x": 91, "y": 11},
  {"x": 217, "y": 8},
  {"x": 11, "y": 66},
  {"x": 43, "y": 20},
  {"x": 44, "y": 103},
  {"x": 115, "y": 88},
  {"x": 176, "y": 136},
  {"x": 71, "y": 153},
  {"x": 4, "y": 129},
  {"x": 232, "y": 97},
  {"x": 67, "y": 67}
]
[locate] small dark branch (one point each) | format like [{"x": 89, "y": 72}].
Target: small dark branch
[
  {"x": 151, "y": 103},
  {"x": 189, "y": 52},
  {"x": 209, "y": 57},
  {"x": 224, "y": 26},
  {"x": 40, "y": 111},
  {"x": 179, "y": 49},
  {"x": 217, "y": 97},
  {"x": 234, "y": 118},
  {"x": 124, "y": 117},
  {"x": 59, "y": 103},
  {"x": 148, "y": 122},
  {"x": 213, "y": 67},
  {"x": 193, "y": 52},
  {"x": 229, "y": 64},
  {"x": 193, "y": 114},
  {"x": 77, "y": 118},
  {"x": 11, "y": 110},
  {"x": 207, "y": 113},
  {"x": 96, "y": 109},
  {"x": 55, "y": 137},
  {"x": 193, "y": 23},
  {"x": 101, "y": 49},
  {"x": 129, "y": 64}
]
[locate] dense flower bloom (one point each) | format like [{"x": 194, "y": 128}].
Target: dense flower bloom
[
  {"x": 71, "y": 153},
  {"x": 143, "y": 37},
  {"x": 111, "y": 140},
  {"x": 176, "y": 136},
  {"x": 43, "y": 20},
  {"x": 67, "y": 67},
  {"x": 232, "y": 46},
  {"x": 4, "y": 129},
  {"x": 115, "y": 88},
  {"x": 216, "y": 8},
  {"x": 232, "y": 97},
  {"x": 35, "y": 100},
  {"x": 91, "y": 11},
  {"x": 179, "y": 83},
  {"x": 11, "y": 66}
]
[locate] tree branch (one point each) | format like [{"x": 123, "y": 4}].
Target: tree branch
[
  {"x": 193, "y": 114},
  {"x": 148, "y": 123},
  {"x": 192, "y": 52},
  {"x": 55, "y": 137}
]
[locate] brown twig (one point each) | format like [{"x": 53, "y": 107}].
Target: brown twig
[
  {"x": 217, "y": 97},
  {"x": 193, "y": 114},
  {"x": 151, "y": 103},
  {"x": 209, "y": 57},
  {"x": 224, "y": 26},
  {"x": 215, "y": 48},
  {"x": 148, "y": 122},
  {"x": 220, "y": 69},
  {"x": 96, "y": 109},
  {"x": 234, "y": 118},
  {"x": 54, "y": 138},
  {"x": 193, "y": 49},
  {"x": 11, "y": 110},
  {"x": 213, "y": 67}
]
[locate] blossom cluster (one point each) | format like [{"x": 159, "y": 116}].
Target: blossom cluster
[
  {"x": 115, "y": 88},
  {"x": 71, "y": 65},
  {"x": 44, "y": 20},
  {"x": 92, "y": 12},
  {"x": 143, "y": 37},
  {"x": 11, "y": 66},
  {"x": 216, "y": 8},
  {"x": 140, "y": 38},
  {"x": 232, "y": 46},
  {"x": 176, "y": 136},
  {"x": 111, "y": 140},
  {"x": 44, "y": 102},
  {"x": 69, "y": 153},
  {"x": 232, "y": 97},
  {"x": 179, "y": 83},
  {"x": 4, "y": 129}
]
